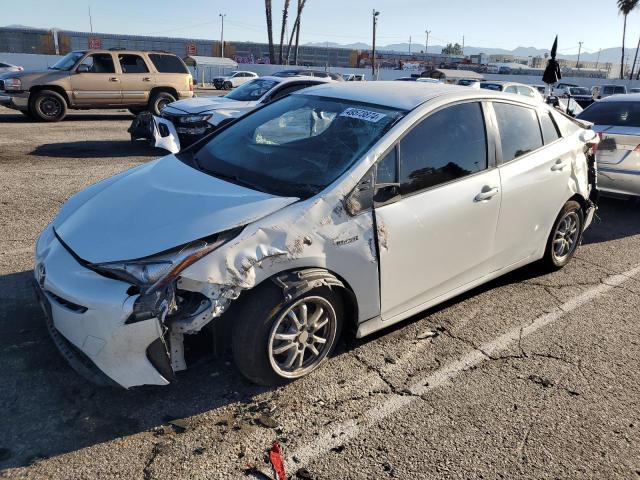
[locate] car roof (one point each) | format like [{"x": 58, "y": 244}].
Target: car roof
[
  {"x": 299, "y": 78},
  {"x": 406, "y": 97},
  {"x": 622, "y": 97}
]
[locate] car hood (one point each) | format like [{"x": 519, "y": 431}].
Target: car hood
[
  {"x": 156, "y": 207},
  {"x": 30, "y": 77},
  {"x": 203, "y": 104}
]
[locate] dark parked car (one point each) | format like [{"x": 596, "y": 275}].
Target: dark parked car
[{"x": 302, "y": 72}]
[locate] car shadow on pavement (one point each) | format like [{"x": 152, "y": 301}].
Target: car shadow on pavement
[
  {"x": 18, "y": 117},
  {"x": 616, "y": 218},
  {"x": 98, "y": 149},
  {"x": 48, "y": 409}
]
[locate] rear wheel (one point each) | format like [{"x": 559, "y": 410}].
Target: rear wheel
[
  {"x": 275, "y": 341},
  {"x": 160, "y": 100},
  {"x": 565, "y": 236},
  {"x": 48, "y": 106},
  {"x": 227, "y": 86}
]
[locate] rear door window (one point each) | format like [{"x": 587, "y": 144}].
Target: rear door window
[
  {"x": 519, "y": 130},
  {"x": 167, "y": 63},
  {"x": 526, "y": 91},
  {"x": 447, "y": 145},
  {"x": 511, "y": 89},
  {"x": 132, "y": 64}
]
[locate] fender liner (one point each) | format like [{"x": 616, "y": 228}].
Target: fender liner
[{"x": 298, "y": 282}]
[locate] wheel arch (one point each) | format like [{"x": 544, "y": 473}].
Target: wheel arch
[
  {"x": 55, "y": 88},
  {"x": 160, "y": 89}
]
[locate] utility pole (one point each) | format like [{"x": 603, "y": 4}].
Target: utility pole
[
  {"x": 463, "y": 45},
  {"x": 598, "y": 59},
  {"x": 375, "y": 14},
  {"x": 579, "y": 52},
  {"x": 90, "y": 21},
  {"x": 426, "y": 44},
  {"x": 222, "y": 35},
  {"x": 409, "y": 44}
]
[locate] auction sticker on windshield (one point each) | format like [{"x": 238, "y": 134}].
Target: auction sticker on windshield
[{"x": 362, "y": 114}]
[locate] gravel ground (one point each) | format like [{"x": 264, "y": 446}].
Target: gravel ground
[{"x": 532, "y": 376}]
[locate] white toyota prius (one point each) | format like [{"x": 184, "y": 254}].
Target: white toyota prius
[{"x": 345, "y": 205}]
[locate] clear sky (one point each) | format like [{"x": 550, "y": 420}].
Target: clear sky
[{"x": 486, "y": 23}]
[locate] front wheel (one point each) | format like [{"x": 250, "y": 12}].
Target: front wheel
[
  {"x": 565, "y": 236},
  {"x": 227, "y": 86},
  {"x": 48, "y": 106},
  {"x": 275, "y": 341}
]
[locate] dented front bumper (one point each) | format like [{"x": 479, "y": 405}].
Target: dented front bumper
[{"x": 87, "y": 317}]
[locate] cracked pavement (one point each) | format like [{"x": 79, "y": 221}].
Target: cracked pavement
[{"x": 532, "y": 376}]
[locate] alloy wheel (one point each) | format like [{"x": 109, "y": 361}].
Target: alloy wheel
[
  {"x": 565, "y": 237},
  {"x": 302, "y": 336}
]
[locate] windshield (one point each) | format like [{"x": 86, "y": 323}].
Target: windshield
[
  {"x": 296, "y": 146},
  {"x": 579, "y": 91},
  {"x": 68, "y": 61},
  {"x": 492, "y": 86},
  {"x": 252, "y": 90},
  {"x": 622, "y": 114}
]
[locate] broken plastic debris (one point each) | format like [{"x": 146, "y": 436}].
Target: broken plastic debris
[
  {"x": 275, "y": 457},
  {"x": 427, "y": 334}
]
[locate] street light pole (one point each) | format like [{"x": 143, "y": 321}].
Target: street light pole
[
  {"x": 579, "y": 51},
  {"x": 426, "y": 44},
  {"x": 373, "y": 51},
  {"x": 222, "y": 35}
]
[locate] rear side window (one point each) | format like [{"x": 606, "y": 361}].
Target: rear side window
[
  {"x": 167, "y": 63},
  {"x": 619, "y": 90},
  {"x": 549, "y": 131},
  {"x": 620, "y": 114},
  {"x": 525, "y": 91},
  {"x": 519, "y": 130},
  {"x": 445, "y": 146},
  {"x": 287, "y": 89},
  {"x": 608, "y": 91},
  {"x": 132, "y": 64}
]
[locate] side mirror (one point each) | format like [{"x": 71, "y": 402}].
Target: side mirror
[
  {"x": 361, "y": 197},
  {"x": 82, "y": 68}
]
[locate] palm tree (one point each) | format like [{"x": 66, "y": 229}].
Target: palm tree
[
  {"x": 625, "y": 7},
  {"x": 295, "y": 32},
  {"x": 272, "y": 53},
  {"x": 285, "y": 13}
]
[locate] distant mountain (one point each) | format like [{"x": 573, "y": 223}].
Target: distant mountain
[
  {"x": 606, "y": 55},
  {"x": 15, "y": 25}
]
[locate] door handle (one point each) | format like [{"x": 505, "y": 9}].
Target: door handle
[
  {"x": 146, "y": 79},
  {"x": 113, "y": 79},
  {"x": 559, "y": 165},
  {"x": 486, "y": 193}
]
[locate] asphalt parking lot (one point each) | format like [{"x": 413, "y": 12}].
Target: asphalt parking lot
[{"x": 532, "y": 376}]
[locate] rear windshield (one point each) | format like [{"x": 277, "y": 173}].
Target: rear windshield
[
  {"x": 492, "y": 86},
  {"x": 579, "y": 91},
  {"x": 623, "y": 114},
  {"x": 252, "y": 91},
  {"x": 296, "y": 146},
  {"x": 168, "y": 63}
]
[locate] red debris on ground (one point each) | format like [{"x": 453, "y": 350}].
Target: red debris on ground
[{"x": 275, "y": 457}]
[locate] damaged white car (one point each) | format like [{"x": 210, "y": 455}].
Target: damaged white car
[
  {"x": 184, "y": 122},
  {"x": 346, "y": 206}
]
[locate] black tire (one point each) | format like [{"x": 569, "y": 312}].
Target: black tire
[
  {"x": 47, "y": 106},
  {"x": 159, "y": 100},
  {"x": 554, "y": 259},
  {"x": 255, "y": 323},
  {"x": 227, "y": 85}
]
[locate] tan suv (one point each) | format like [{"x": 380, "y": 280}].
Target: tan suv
[{"x": 113, "y": 78}]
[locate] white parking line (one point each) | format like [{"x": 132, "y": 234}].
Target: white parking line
[{"x": 349, "y": 429}]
